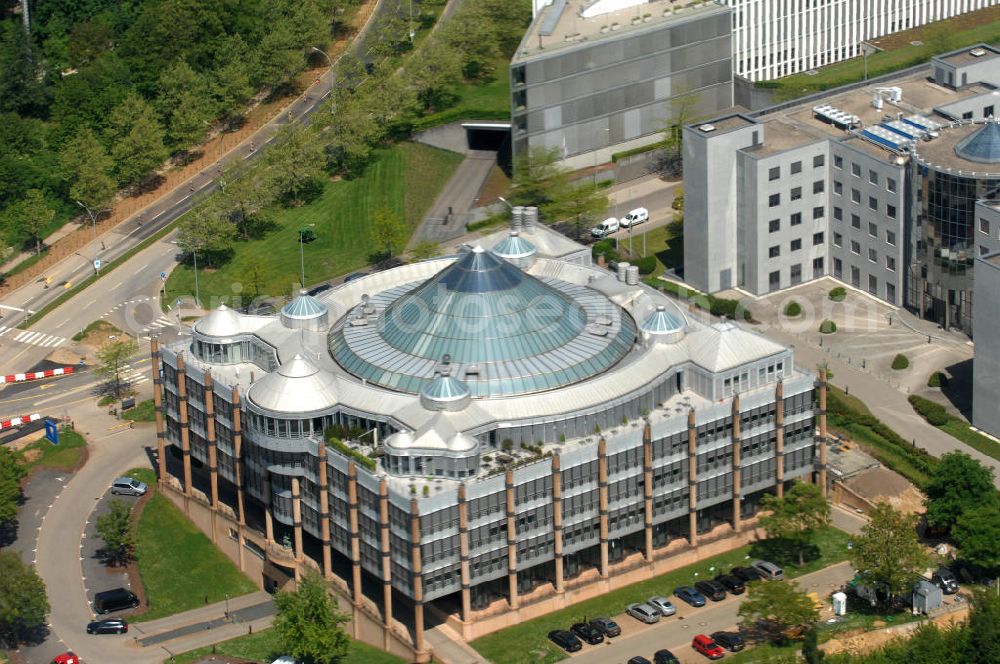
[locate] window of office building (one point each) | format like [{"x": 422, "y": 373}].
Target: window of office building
[
  {"x": 774, "y": 200},
  {"x": 872, "y": 255},
  {"x": 983, "y": 250},
  {"x": 856, "y": 196},
  {"x": 890, "y": 293},
  {"x": 817, "y": 267},
  {"x": 855, "y": 247},
  {"x": 838, "y": 240},
  {"x": 890, "y": 211},
  {"x": 838, "y": 214},
  {"x": 838, "y": 268},
  {"x": 856, "y": 170},
  {"x": 890, "y": 184},
  {"x": 796, "y": 245},
  {"x": 818, "y": 161},
  {"x": 774, "y": 252},
  {"x": 855, "y": 277},
  {"x": 819, "y": 186},
  {"x": 818, "y": 238},
  {"x": 890, "y": 238},
  {"x": 774, "y": 173},
  {"x": 984, "y": 225},
  {"x": 873, "y": 177},
  {"x": 796, "y": 193},
  {"x": 872, "y": 229},
  {"x": 873, "y": 203},
  {"x": 818, "y": 212},
  {"x": 774, "y": 226},
  {"x": 795, "y": 219},
  {"x": 774, "y": 280},
  {"x": 796, "y": 275},
  {"x": 855, "y": 221},
  {"x": 872, "y": 284},
  {"x": 796, "y": 167},
  {"x": 890, "y": 263},
  {"x": 838, "y": 161},
  {"x": 838, "y": 187}
]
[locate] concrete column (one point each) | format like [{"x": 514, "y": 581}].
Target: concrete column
[
  {"x": 647, "y": 489},
  {"x": 383, "y": 521},
  {"x": 161, "y": 431},
  {"x": 463, "y": 551},
  {"x": 268, "y": 525},
  {"x": 418, "y": 584},
  {"x": 557, "y": 524},
  {"x": 182, "y": 408},
  {"x": 736, "y": 459},
  {"x": 324, "y": 509},
  {"x": 692, "y": 480},
  {"x": 213, "y": 452},
  {"x": 297, "y": 526},
  {"x": 353, "y": 525},
  {"x": 511, "y": 539},
  {"x": 779, "y": 446},
  {"x": 602, "y": 497},
  {"x": 238, "y": 452},
  {"x": 821, "y": 477}
]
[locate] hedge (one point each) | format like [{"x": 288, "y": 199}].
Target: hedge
[
  {"x": 351, "y": 453},
  {"x": 793, "y": 309},
  {"x": 718, "y": 306},
  {"x": 827, "y": 327},
  {"x": 646, "y": 264},
  {"x": 937, "y": 379},
  {"x": 933, "y": 412},
  {"x": 900, "y": 362},
  {"x": 838, "y": 294}
]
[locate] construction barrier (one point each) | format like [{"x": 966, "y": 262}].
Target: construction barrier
[
  {"x": 18, "y": 421},
  {"x": 35, "y": 375}
]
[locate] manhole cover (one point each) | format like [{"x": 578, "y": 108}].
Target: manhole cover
[{"x": 916, "y": 42}]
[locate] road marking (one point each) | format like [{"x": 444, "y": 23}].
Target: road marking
[
  {"x": 117, "y": 285},
  {"x": 141, "y": 268},
  {"x": 184, "y": 199}
]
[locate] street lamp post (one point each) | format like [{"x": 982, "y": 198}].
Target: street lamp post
[
  {"x": 302, "y": 255},
  {"x": 93, "y": 221},
  {"x": 197, "y": 293}
]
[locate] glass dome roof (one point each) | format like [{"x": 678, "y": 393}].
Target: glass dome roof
[
  {"x": 983, "y": 145},
  {"x": 304, "y": 307},
  {"x": 662, "y": 321},
  {"x": 505, "y": 331}
]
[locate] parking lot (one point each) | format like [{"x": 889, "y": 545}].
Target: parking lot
[{"x": 675, "y": 633}]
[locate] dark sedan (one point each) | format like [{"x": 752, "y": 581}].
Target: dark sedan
[
  {"x": 565, "y": 640},
  {"x": 607, "y": 627},
  {"x": 712, "y": 590},
  {"x": 733, "y": 584},
  {"x": 665, "y": 657},
  {"x": 731, "y": 641},
  {"x": 588, "y": 633},
  {"x": 690, "y": 595},
  {"x": 109, "y": 626},
  {"x": 746, "y": 574}
]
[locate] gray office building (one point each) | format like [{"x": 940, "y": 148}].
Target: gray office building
[
  {"x": 874, "y": 185},
  {"x": 591, "y": 75}
]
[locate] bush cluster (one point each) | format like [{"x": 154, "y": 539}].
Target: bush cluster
[
  {"x": 646, "y": 264},
  {"x": 838, "y": 294},
  {"x": 827, "y": 327},
  {"x": 933, "y": 412},
  {"x": 718, "y": 306},
  {"x": 900, "y": 362},
  {"x": 937, "y": 379},
  {"x": 793, "y": 309}
]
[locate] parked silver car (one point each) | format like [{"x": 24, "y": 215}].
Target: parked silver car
[
  {"x": 767, "y": 570},
  {"x": 662, "y": 605},
  {"x": 128, "y": 486},
  {"x": 643, "y": 612}
]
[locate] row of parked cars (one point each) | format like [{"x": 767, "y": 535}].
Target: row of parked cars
[
  {"x": 712, "y": 646},
  {"x": 612, "y": 224}
]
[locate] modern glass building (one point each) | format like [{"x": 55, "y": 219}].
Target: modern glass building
[{"x": 481, "y": 432}]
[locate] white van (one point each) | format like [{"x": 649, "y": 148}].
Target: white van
[
  {"x": 636, "y": 216},
  {"x": 605, "y": 228}
]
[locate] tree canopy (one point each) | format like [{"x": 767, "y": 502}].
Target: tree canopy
[
  {"x": 308, "y": 625},
  {"x": 887, "y": 554},
  {"x": 114, "y": 355},
  {"x": 796, "y": 515},
  {"x": 11, "y": 474},
  {"x": 977, "y": 534},
  {"x": 115, "y": 529},
  {"x": 778, "y": 608},
  {"x": 958, "y": 483},
  {"x": 23, "y": 603}
]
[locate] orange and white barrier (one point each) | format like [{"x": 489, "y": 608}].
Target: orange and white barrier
[
  {"x": 35, "y": 375},
  {"x": 18, "y": 421}
]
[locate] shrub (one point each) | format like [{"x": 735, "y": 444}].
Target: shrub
[
  {"x": 646, "y": 264},
  {"x": 900, "y": 362},
  {"x": 933, "y": 412},
  {"x": 606, "y": 247},
  {"x": 351, "y": 453},
  {"x": 937, "y": 379},
  {"x": 507, "y": 444},
  {"x": 793, "y": 309},
  {"x": 838, "y": 294},
  {"x": 827, "y": 327}
]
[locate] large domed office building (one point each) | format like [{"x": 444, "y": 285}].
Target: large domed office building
[{"x": 482, "y": 432}]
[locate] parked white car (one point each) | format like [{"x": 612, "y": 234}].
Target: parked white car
[
  {"x": 605, "y": 228},
  {"x": 635, "y": 217}
]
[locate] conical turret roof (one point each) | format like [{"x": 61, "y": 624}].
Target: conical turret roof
[
  {"x": 982, "y": 146},
  {"x": 297, "y": 386}
]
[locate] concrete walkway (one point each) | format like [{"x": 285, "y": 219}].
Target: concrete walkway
[{"x": 446, "y": 218}]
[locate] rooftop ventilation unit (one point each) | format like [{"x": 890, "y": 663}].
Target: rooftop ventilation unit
[
  {"x": 707, "y": 128},
  {"x": 977, "y": 52},
  {"x": 928, "y": 125},
  {"x": 904, "y": 130},
  {"x": 836, "y": 117}
]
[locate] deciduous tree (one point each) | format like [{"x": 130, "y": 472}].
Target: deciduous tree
[
  {"x": 87, "y": 168},
  {"x": 779, "y": 608},
  {"x": 959, "y": 483},
  {"x": 136, "y": 139},
  {"x": 23, "y": 603},
  {"x": 115, "y": 529},
  {"x": 308, "y": 624},
  {"x": 581, "y": 205},
  {"x": 11, "y": 474},
  {"x": 796, "y": 516},
  {"x": 388, "y": 231},
  {"x": 887, "y": 554},
  {"x": 185, "y": 104},
  {"x": 32, "y": 216},
  {"x": 208, "y": 231},
  {"x": 113, "y": 356},
  {"x": 977, "y": 533}
]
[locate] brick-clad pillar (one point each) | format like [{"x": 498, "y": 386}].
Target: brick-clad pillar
[
  {"x": 324, "y": 508},
  {"x": 647, "y": 489},
  {"x": 736, "y": 459},
  {"x": 602, "y": 498},
  {"x": 418, "y": 583},
  {"x": 557, "y": 524},
  {"x": 182, "y": 408},
  {"x": 511, "y": 539},
  {"x": 821, "y": 479},
  {"x": 779, "y": 445},
  {"x": 238, "y": 453},
  {"x": 297, "y": 525},
  {"x": 161, "y": 431},
  {"x": 383, "y": 522},
  {"x": 692, "y": 480},
  {"x": 463, "y": 551},
  {"x": 354, "y": 527},
  {"x": 213, "y": 451}
]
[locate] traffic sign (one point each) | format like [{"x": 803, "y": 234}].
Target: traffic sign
[
  {"x": 51, "y": 432},
  {"x": 97, "y": 263},
  {"x": 163, "y": 276}
]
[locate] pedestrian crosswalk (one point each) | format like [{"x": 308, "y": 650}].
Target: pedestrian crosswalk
[
  {"x": 32, "y": 338},
  {"x": 162, "y": 321},
  {"x": 133, "y": 376}
]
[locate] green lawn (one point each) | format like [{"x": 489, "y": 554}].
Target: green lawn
[
  {"x": 97, "y": 326},
  {"x": 144, "y": 411},
  {"x": 64, "y": 456},
  {"x": 533, "y": 646},
  {"x": 937, "y": 38},
  {"x": 666, "y": 243},
  {"x": 405, "y": 178},
  {"x": 954, "y": 426},
  {"x": 263, "y": 647},
  {"x": 180, "y": 568},
  {"x": 489, "y": 100}
]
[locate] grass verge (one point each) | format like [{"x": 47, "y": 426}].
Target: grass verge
[
  {"x": 180, "y": 568},
  {"x": 263, "y": 648},
  {"x": 851, "y": 417},
  {"x": 488, "y": 100},
  {"x": 144, "y": 411},
  {"x": 533, "y": 646},
  {"x": 102, "y": 326},
  {"x": 64, "y": 456},
  {"x": 937, "y": 416},
  {"x": 405, "y": 178}
]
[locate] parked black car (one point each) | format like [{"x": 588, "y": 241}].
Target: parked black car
[
  {"x": 731, "y": 641},
  {"x": 638, "y": 660},
  {"x": 607, "y": 627},
  {"x": 734, "y": 585},
  {"x": 108, "y": 626},
  {"x": 746, "y": 574},
  {"x": 565, "y": 640},
  {"x": 587, "y": 632},
  {"x": 945, "y": 580},
  {"x": 665, "y": 657},
  {"x": 713, "y": 590}
]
